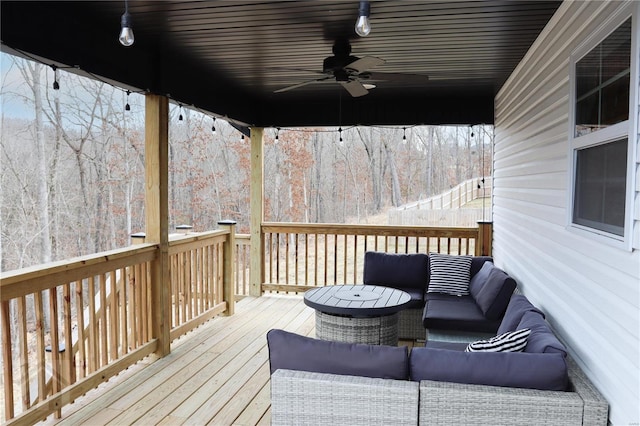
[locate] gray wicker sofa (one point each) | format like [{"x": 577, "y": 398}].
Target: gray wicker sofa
[
  {"x": 323, "y": 382},
  {"x": 478, "y": 310}
]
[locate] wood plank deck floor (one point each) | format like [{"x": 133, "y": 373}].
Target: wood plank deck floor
[{"x": 217, "y": 374}]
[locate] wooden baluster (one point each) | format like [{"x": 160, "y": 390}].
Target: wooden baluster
[
  {"x": 80, "y": 324},
  {"x": 55, "y": 345},
  {"x": 68, "y": 372},
  {"x": 344, "y": 258},
  {"x": 137, "y": 313},
  {"x": 355, "y": 259},
  {"x": 7, "y": 360},
  {"x": 24, "y": 353},
  {"x": 93, "y": 329},
  {"x": 104, "y": 343},
  {"x": 335, "y": 259},
  {"x": 40, "y": 348},
  {"x": 306, "y": 259},
  {"x": 113, "y": 316},
  {"x": 296, "y": 263},
  {"x": 122, "y": 309}
]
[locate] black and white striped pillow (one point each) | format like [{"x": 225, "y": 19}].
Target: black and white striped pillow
[
  {"x": 512, "y": 341},
  {"x": 449, "y": 274}
]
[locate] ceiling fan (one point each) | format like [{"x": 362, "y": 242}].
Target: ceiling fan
[{"x": 353, "y": 72}]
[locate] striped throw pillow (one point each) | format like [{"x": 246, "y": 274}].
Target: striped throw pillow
[
  {"x": 449, "y": 274},
  {"x": 512, "y": 341}
]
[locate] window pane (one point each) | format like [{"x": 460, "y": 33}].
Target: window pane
[
  {"x": 602, "y": 83},
  {"x": 600, "y": 193}
]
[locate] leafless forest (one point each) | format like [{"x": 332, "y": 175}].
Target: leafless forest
[{"x": 72, "y": 167}]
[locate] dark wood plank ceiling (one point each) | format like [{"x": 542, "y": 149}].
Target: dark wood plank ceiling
[{"x": 228, "y": 57}]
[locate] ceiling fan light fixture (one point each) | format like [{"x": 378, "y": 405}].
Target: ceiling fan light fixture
[{"x": 363, "y": 27}]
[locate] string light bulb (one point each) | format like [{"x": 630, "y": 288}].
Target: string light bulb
[
  {"x": 127, "y": 107},
  {"x": 126, "y": 30},
  {"x": 56, "y": 85},
  {"x": 363, "y": 27}
]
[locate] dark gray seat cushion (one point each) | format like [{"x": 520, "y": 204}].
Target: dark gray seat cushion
[
  {"x": 446, "y": 312},
  {"x": 417, "y": 300},
  {"x": 510, "y": 369},
  {"x": 492, "y": 288},
  {"x": 402, "y": 271},
  {"x": 294, "y": 352}
]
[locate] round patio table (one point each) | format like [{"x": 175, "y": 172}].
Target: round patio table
[{"x": 357, "y": 313}]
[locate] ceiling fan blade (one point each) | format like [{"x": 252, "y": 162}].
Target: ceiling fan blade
[
  {"x": 397, "y": 77},
  {"x": 355, "y": 88},
  {"x": 363, "y": 64},
  {"x": 295, "y": 86}
]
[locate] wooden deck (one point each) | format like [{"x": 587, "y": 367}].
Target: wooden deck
[{"x": 216, "y": 374}]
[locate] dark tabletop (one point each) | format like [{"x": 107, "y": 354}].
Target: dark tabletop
[{"x": 357, "y": 300}]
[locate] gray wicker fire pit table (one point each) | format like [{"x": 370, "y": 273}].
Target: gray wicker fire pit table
[{"x": 357, "y": 313}]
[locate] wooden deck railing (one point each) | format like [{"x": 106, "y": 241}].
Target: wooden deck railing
[
  {"x": 99, "y": 318},
  {"x": 99, "y": 307},
  {"x": 302, "y": 256}
]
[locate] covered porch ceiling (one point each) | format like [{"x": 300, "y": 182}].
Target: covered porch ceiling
[{"x": 227, "y": 58}]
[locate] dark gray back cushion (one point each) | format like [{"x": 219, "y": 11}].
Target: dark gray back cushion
[
  {"x": 492, "y": 288},
  {"x": 517, "y": 307},
  {"x": 511, "y": 369},
  {"x": 294, "y": 352},
  {"x": 541, "y": 339},
  {"x": 477, "y": 262},
  {"x": 396, "y": 270}
]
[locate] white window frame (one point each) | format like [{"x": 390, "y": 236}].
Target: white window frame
[{"x": 628, "y": 129}]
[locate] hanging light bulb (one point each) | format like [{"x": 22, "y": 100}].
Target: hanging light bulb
[
  {"x": 404, "y": 134},
  {"x": 180, "y": 116},
  {"x": 213, "y": 125},
  {"x": 127, "y": 107},
  {"x": 340, "y": 131},
  {"x": 363, "y": 27},
  {"x": 126, "y": 31},
  {"x": 277, "y": 133},
  {"x": 56, "y": 85}
]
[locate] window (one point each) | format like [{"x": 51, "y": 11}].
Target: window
[
  {"x": 602, "y": 83},
  {"x": 600, "y": 143},
  {"x": 600, "y": 189}
]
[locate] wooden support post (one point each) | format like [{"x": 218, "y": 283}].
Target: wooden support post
[
  {"x": 256, "y": 277},
  {"x": 228, "y": 277},
  {"x": 485, "y": 239},
  {"x": 157, "y": 214}
]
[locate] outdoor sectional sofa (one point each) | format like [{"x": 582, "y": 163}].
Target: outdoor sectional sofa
[
  {"x": 475, "y": 306},
  {"x": 323, "y": 382}
]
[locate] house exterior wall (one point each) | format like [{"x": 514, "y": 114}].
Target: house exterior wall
[{"x": 589, "y": 290}]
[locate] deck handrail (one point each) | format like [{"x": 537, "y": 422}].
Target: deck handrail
[
  {"x": 299, "y": 256},
  {"x": 101, "y": 303}
]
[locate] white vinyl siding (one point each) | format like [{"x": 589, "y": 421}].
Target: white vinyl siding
[{"x": 589, "y": 290}]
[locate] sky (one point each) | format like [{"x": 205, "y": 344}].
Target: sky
[{"x": 11, "y": 82}]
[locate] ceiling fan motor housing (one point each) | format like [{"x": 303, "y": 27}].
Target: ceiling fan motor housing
[{"x": 334, "y": 64}]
